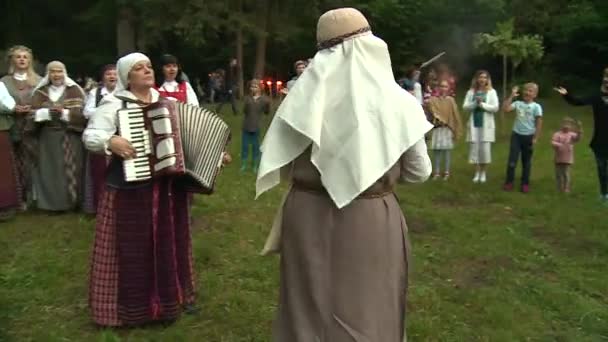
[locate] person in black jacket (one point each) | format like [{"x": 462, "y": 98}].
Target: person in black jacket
[{"x": 599, "y": 141}]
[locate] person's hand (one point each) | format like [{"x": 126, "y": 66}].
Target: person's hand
[
  {"x": 23, "y": 110},
  {"x": 121, "y": 147},
  {"x": 515, "y": 91},
  {"x": 534, "y": 141},
  {"x": 561, "y": 90},
  {"x": 479, "y": 99}
]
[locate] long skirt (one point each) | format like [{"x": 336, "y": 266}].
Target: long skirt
[
  {"x": 343, "y": 272},
  {"x": 9, "y": 184},
  {"x": 94, "y": 181},
  {"x": 141, "y": 269},
  {"x": 52, "y": 178}
]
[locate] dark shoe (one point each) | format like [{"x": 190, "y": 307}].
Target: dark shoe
[
  {"x": 525, "y": 188},
  {"x": 191, "y": 309},
  {"x": 508, "y": 187}
]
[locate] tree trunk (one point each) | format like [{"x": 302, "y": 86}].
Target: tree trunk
[
  {"x": 125, "y": 31},
  {"x": 504, "y": 91},
  {"x": 262, "y": 39}
]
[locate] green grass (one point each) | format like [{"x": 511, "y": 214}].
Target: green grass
[{"x": 488, "y": 265}]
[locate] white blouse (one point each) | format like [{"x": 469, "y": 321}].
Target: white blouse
[
  {"x": 89, "y": 108},
  {"x": 7, "y": 103},
  {"x": 173, "y": 86}
]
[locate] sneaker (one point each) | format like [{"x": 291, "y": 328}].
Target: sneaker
[
  {"x": 436, "y": 176},
  {"x": 446, "y": 176},
  {"x": 525, "y": 188},
  {"x": 477, "y": 177},
  {"x": 508, "y": 187},
  {"x": 482, "y": 177},
  {"x": 243, "y": 167}
]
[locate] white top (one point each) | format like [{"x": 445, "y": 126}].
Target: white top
[
  {"x": 173, "y": 86},
  {"x": 358, "y": 120},
  {"x": 487, "y": 133},
  {"x": 418, "y": 92},
  {"x": 20, "y": 77},
  {"x": 7, "y": 103},
  {"x": 43, "y": 114},
  {"x": 104, "y": 124},
  {"x": 89, "y": 108}
]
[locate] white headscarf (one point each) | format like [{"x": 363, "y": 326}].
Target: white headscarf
[
  {"x": 68, "y": 82},
  {"x": 357, "y": 118},
  {"x": 124, "y": 66}
]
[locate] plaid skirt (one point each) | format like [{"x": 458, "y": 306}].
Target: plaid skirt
[
  {"x": 10, "y": 190},
  {"x": 93, "y": 182},
  {"x": 141, "y": 268}
]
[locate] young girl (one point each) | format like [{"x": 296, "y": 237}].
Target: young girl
[
  {"x": 563, "y": 141},
  {"x": 171, "y": 82},
  {"x": 447, "y": 128},
  {"x": 482, "y": 101},
  {"x": 254, "y": 105}
]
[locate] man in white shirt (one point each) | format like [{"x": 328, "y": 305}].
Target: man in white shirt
[{"x": 108, "y": 85}]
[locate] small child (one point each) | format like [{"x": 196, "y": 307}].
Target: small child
[
  {"x": 448, "y": 128},
  {"x": 563, "y": 143},
  {"x": 526, "y": 129},
  {"x": 253, "y": 106}
]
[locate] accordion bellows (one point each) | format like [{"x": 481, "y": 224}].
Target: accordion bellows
[{"x": 174, "y": 139}]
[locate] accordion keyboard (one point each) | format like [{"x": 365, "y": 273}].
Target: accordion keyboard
[{"x": 132, "y": 128}]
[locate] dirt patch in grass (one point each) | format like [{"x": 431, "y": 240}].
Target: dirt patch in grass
[
  {"x": 569, "y": 244},
  {"x": 477, "y": 272},
  {"x": 419, "y": 225}
]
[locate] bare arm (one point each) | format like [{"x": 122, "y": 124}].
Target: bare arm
[
  {"x": 507, "y": 106},
  {"x": 539, "y": 127}
]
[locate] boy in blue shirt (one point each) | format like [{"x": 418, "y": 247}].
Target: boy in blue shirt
[{"x": 526, "y": 129}]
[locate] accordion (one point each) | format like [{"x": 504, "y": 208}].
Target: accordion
[{"x": 174, "y": 139}]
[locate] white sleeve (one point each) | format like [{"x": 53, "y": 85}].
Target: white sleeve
[
  {"x": 191, "y": 95},
  {"x": 416, "y": 165},
  {"x": 418, "y": 93},
  {"x": 491, "y": 105},
  {"x": 102, "y": 126},
  {"x": 7, "y": 103},
  {"x": 89, "y": 107},
  {"x": 469, "y": 101},
  {"x": 42, "y": 114}
]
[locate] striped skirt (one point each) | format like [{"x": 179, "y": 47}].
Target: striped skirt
[
  {"x": 10, "y": 189},
  {"x": 442, "y": 138},
  {"x": 141, "y": 269}
]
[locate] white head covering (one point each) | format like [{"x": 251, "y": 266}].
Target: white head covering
[
  {"x": 349, "y": 107},
  {"x": 68, "y": 82},
  {"x": 124, "y": 66}
]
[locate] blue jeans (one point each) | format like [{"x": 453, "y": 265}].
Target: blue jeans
[
  {"x": 520, "y": 144},
  {"x": 250, "y": 139}
]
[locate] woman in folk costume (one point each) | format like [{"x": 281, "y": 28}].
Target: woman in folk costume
[
  {"x": 446, "y": 119},
  {"x": 482, "y": 101},
  {"x": 9, "y": 182},
  {"x": 172, "y": 84},
  {"x": 20, "y": 83},
  {"x": 95, "y": 166},
  {"x": 141, "y": 268},
  {"x": 345, "y": 133},
  {"x": 57, "y": 124}
]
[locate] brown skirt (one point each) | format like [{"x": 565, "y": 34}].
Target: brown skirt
[
  {"x": 141, "y": 269},
  {"x": 9, "y": 184},
  {"x": 343, "y": 272}
]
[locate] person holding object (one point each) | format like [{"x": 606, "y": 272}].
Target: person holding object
[
  {"x": 142, "y": 267},
  {"x": 344, "y": 136},
  {"x": 599, "y": 140}
]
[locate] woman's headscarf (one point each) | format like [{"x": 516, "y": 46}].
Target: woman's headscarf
[
  {"x": 349, "y": 107},
  {"x": 68, "y": 82},
  {"x": 124, "y": 66}
]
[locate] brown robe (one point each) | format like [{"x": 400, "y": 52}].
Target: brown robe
[{"x": 343, "y": 272}]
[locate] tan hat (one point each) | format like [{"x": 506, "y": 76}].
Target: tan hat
[{"x": 338, "y": 25}]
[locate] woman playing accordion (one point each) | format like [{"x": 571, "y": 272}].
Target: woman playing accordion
[{"x": 141, "y": 267}]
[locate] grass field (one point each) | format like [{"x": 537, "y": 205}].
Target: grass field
[{"x": 488, "y": 265}]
